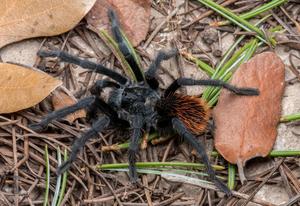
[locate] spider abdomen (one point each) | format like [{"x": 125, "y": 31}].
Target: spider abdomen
[{"x": 192, "y": 111}]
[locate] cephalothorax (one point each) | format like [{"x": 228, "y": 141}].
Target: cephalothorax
[{"x": 140, "y": 105}]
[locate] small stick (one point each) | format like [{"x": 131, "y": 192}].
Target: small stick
[
  {"x": 158, "y": 28},
  {"x": 262, "y": 183}
]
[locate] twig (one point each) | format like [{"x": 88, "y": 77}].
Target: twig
[
  {"x": 158, "y": 28},
  {"x": 193, "y": 181},
  {"x": 262, "y": 183},
  {"x": 292, "y": 201},
  {"x": 206, "y": 14},
  {"x": 16, "y": 173}
]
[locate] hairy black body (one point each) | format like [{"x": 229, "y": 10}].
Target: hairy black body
[{"x": 140, "y": 106}]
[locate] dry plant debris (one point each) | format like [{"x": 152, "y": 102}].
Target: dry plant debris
[
  {"x": 26, "y": 19},
  {"x": 247, "y": 127},
  {"x": 61, "y": 99},
  {"x": 134, "y": 17},
  {"x": 22, "y": 87}
]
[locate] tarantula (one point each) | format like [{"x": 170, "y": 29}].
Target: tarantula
[{"x": 139, "y": 105}]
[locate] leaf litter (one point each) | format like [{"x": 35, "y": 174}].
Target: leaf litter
[
  {"x": 26, "y": 19},
  {"x": 134, "y": 16},
  {"x": 246, "y": 127},
  {"x": 80, "y": 178},
  {"x": 22, "y": 87}
]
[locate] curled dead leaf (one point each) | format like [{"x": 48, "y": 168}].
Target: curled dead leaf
[
  {"x": 246, "y": 127},
  {"x": 21, "y": 87},
  {"x": 60, "y": 100},
  {"x": 134, "y": 16},
  {"x": 26, "y": 19}
]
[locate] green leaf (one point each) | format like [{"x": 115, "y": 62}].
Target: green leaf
[
  {"x": 58, "y": 181},
  {"x": 64, "y": 181},
  {"x": 157, "y": 164},
  {"x": 235, "y": 19},
  {"x": 46, "y": 195}
]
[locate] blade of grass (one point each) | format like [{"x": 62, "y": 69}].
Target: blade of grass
[
  {"x": 263, "y": 8},
  {"x": 274, "y": 153},
  {"x": 64, "y": 181},
  {"x": 159, "y": 171},
  {"x": 221, "y": 70},
  {"x": 235, "y": 19},
  {"x": 201, "y": 64},
  {"x": 134, "y": 54},
  {"x": 58, "y": 181},
  {"x": 231, "y": 176},
  {"x": 225, "y": 67},
  {"x": 290, "y": 118},
  {"x": 211, "y": 93},
  {"x": 157, "y": 164},
  {"x": 46, "y": 195},
  {"x": 209, "y": 70},
  {"x": 110, "y": 42}
]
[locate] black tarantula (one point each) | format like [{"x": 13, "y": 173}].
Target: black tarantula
[{"x": 139, "y": 105}]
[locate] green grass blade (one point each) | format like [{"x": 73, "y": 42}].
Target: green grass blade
[
  {"x": 231, "y": 176},
  {"x": 235, "y": 19},
  {"x": 290, "y": 118},
  {"x": 64, "y": 181},
  {"x": 273, "y": 153},
  {"x": 46, "y": 195},
  {"x": 200, "y": 64},
  {"x": 157, "y": 165},
  {"x": 58, "y": 181},
  {"x": 243, "y": 54},
  {"x": 161, "y": 171},
  {"x": 266, "y": 7},
  {"x": 134, "y": 54},
  {"x": 110, "y": 42}
]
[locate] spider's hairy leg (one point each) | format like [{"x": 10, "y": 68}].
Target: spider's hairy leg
[
  {"x": 151, "y": 72},
  {"x": 84, "y": 64},
  {"x": 181, "y": 129},
  {"x": 83, "y": 103},
  {"x": 123, "y": 46},
  {"x": 136, "y": 126},
  {"x": 101, "y": 84},
  {"x": 247, "y": 91},
  {"x": 79, "y": 143}
]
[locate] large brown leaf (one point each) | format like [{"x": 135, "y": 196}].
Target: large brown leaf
[
  {"x": 22, "y": 87},
  {"x": 32, "y": 18},
  {"x": 134, "y": 16},
  {"x": 245, "y": 125}
]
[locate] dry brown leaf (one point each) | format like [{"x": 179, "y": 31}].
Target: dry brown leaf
[
  {"x": 21, "y": 87},
  {"x": 246, "y": 127},
  {"x": 134, "y": 16},
  {"x": 60, "y": 100},
  {"x": 26, "y": 19}
]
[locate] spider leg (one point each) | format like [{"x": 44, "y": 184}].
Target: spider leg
[
  {"x": 151, "y": 72},
  {"x": 137, "y": 124},
  {"x": 97, "y": 127},
  {"x": 210, "y": 82},
  {"x": 108, "y": 111},
  {"x": 84, "y": 64},
  {"x": 83, "y": 103},
  {"x": 181, "y": 129},
  {"x": 123, "y": 45},
  {"x": 101, "y": 84}
]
